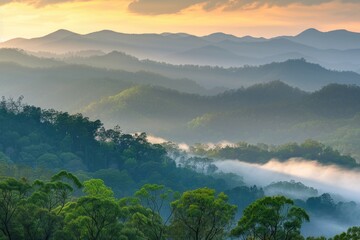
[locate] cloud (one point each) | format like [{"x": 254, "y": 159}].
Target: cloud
[
  {"x": 157, "y": 7},
  {"x": 39, "y": 3}
]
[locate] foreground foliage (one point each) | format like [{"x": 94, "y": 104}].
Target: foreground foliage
[
  {"x": 271, "y": 218},
  {"x": 49, "y": 210}
]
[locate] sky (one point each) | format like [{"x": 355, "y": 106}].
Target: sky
[{"x": 260, "y": 18}]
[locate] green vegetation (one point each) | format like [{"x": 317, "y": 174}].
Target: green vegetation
[
  {"x": 56, "y": 209},
  {"x": 292, "y": 189},
  {"x": 273, "y": 113},
  {"x": 47, "y": 139},
  {"x": 200, "y": 214},
  {"x": 271, "y": 218},
  {"x": 262, "y": 153},
  {"x": 143, "y": 95},
  {"x": 117, "y": 189},
  {"x": 351, "y": 234}
]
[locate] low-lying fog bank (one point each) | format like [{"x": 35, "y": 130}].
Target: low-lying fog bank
[
  {"x": 341, "y": 183},
  {"x": 331, "y": 179}
]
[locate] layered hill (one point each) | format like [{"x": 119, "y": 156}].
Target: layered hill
[
  {"x": 271, "y": 113},
  {"x": 296, "y": 72},
  {"x": 338, "y": 49}
]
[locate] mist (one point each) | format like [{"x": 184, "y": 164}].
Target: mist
[
  {"x": 342, "y": 184},
  {"x": 331, "y": 179}
]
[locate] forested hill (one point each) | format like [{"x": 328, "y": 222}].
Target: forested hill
[
  {"x": 47, "y": 139},
  {"x": 270, "y": 113}
]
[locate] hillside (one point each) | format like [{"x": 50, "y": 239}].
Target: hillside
[
  {"x": 60, "y": 87},
  {"x": 299, "y": 73},
  {"x": 270, "y": 113}
]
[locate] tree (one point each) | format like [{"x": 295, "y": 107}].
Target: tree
[
  {"x": 94, "y": 216},
  {"x": 40, "y": 214},
  {"x": 154, "y": 197},
  {"x": 12, "y": 193},
  {"x": 97, "y": 188},
  {"x": 201, "y": 215},
  {"x": 316, "y": 238},
  {"x": 271, "y": 218},
  {"x": 139, "y": 222},
  {"x": 352, "y": 233}
]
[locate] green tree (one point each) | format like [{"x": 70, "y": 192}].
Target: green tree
[
  {"x": 95, "y": 216},
  {"x": 154, "y": 197},
  {"x": 352, "y": 233},
  {"x": 201, "y": 215},
  {"x": 271, "y": 218},
  {"x": 316, "y": 238},
  {"x": 139, "y": 222},
  {"x": 97, "y": 188},
  {"x": 40, "y": 214},
  {"x": 12, "y": 193}
]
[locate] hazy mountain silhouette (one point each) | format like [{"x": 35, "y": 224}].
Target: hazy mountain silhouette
[
  {"x": 336, "y": 49},
  {"x": 297, "y": 73},
  {"x": 69, "y": 87},
  {"x": 25, "y": 59},
  {"x": 337, "y": 39}
]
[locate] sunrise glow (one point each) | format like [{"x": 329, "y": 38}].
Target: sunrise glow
[{"x": 26, "y": 19}]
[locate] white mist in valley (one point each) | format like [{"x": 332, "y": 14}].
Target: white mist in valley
[
  {"x": 343, "y": 184},
  {"x": 331, "y": 179}
]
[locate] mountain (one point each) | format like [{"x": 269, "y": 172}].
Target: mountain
[
  {"x": 272, "y": 113},
  {"x": 23, "y": 58},
  {"x": 204, "y": 79},
  {"x": 219, "y": 37},
  {"x": 141, "y": 45},
  {"x": 338, "y": 49},
  {"x": 68, "y": 87},
  {"x": 298, "y": 73},
  {"x": 165, "y": 111},
  {"x": 337, "y": 39},
  {"x": 265, "y": 48}
]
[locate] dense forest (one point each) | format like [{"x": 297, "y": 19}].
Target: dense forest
[
  {"x": 123, "y": 187},
  {"x": 49, "y": 209}
]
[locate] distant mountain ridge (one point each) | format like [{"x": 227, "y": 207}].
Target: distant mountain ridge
[
  {"x": 337, "y": 39},
  {"x": 339, "y": 49},
  {"x": 295, "y": 72}
]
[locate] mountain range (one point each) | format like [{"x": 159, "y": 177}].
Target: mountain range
[
  {"x": 204, "y": 80},
  {"x": 338, "y": 49},
  {"x": 253, "y": 89}
]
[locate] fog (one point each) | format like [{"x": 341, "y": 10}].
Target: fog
[
  {"x": 331, "y": 179},
  {"x": 341, "y": 183}
]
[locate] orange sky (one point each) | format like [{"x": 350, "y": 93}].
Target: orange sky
[{"x": 32, "y": 18}]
